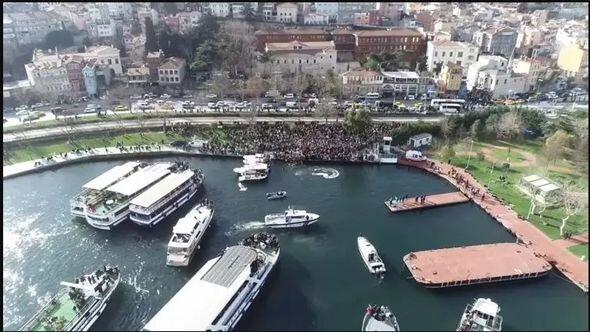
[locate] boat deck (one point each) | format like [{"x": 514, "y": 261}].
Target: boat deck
[
  {"x": 475, "y": 265},
  {"x": 63, "y": 313},
  {"x": 430, "y": 202},
  {"x": 231, "y": 264}
]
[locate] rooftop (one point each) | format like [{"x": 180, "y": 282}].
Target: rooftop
[
  {"x": 111, "y": 176},
  {"x": 141, "y": 179},
  {"x": 448, "y": 43},
  {"x": 172, "y": 63},
  {"x": 297, "y": 45},
  {"x": 162, "y": 188},
  {"x": 389, "y": 33},
  {"x": 401, "y": 74},
  {"x": 275, "y": 31}
]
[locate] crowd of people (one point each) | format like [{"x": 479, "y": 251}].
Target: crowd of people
[{"x": 298, "y": 142}]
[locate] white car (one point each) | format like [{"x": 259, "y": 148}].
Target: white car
[
  {"x": 289, "y": 95},
  {"x": 89, "y": 110},
  {"x": 23, "y": 113},
  {"x": 160, "y": 101},
  {"x": 411, "y": 97},
  {"x": 165, "y": 96},
  {"x": 136, "y": 97},
  {"x": 93, "y": 106},
  {"x": 211, "y": 104},
  {"x": 211, "y": 95}
]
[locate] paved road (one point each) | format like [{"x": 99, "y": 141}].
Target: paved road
[{"x": 155, "y": 123}]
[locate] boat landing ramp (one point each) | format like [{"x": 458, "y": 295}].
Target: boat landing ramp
[
  {"x": 473, "y": 265},
  {"x": 430, "y": 202}
]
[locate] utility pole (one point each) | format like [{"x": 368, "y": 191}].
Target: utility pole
[{"x": 469, "y": 158}]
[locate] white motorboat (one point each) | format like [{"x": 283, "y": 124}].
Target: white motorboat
[
  {"x": 379, "y": 318},
  {"x": 253, "y": 175},
  {"x": 370, "y": 256},
  {"x": 276, "y": 195},
  {"x": 252, "y": 168},
  {"x": 77, "y": 306},
  {"x": 291, "y": 218},
  {"x": 482, "y": 315},
  {"x": 188, "y": 232},
  {"x": 219, "y": 294}
]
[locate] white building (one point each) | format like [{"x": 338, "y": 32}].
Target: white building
[
  {"x": 460, "y": 53},
  {"x": 188, "y": 21},
  {"x": 532, "y": 69},
  {"x": 102, "y": 29},
  {"x": 404, "y": 83},
  {"x": 316, "y": 19},
  {"x": 529, "y": 36},
  {"x": 172, "y": 71},
  {"x": 120, "y": 10},
  {"x": 29, "y": 28},
  {"x": 492, "y": 73},
  {"x": 48, "y": 77},
  {"x": 570, "y": 34},
  {"x": 329, "y": 9},
  {"x": 98, "y": 12},
  {"x": 220, "y": 9},
  {"x": 142, "y": 14},
  {"x": 309, "y": 57},
  {"x": 361, "y": 82},
  {"x": 419, "y": 140},
  {"x": 287, "y": 12}
]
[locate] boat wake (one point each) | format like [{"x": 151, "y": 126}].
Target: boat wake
[
  {"x": 242, "y": 187},
  {"x": 245, "y": 226},
  {"x": 326, "y": 173},
  {"x": 132, "y": 281}
]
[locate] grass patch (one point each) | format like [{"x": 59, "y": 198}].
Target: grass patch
[
  {"x": 550, "y": 221},
  {"x": 501, "y": 154},
  {"x": 580, "y": 250}
]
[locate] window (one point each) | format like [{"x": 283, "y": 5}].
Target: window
[
  {"x": 505, "y": 80},
  {"x": 299, "y": 61},
  {"x": 117, "y": 61},
  {"x": 460, "y": 54},
  {"x": 451, "y": 54},
  {"x": 444, "y": 53},
  {"x": 110, "y": 62},
  {"x": 175, "y": 72},
  {"x": 435, "y": 53}
]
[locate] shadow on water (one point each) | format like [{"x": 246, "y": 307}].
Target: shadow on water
[{"x": 286, "y": 291}]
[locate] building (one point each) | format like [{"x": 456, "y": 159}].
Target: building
[
  {"x": 496, "y": 41},
  {"x": 316, "y": 19},
  {"x": 532, "y": 69},
  {"x": 544, "y": 190},
  {"x": 29, "y": 28},
  {"x": 188, "y": 21},
  {"x": 571, "y": 33},
  {"x": 238, "y": 10},
  {"x": 492, "y": 73},
  {"x": 220, "y": 9},
  {"x": 288, "y": 35},
  {"x": 306, "y": 57},
  {"x": 426, "y": 20},
  {"x": 143, "y": 14},
  {"x": 287, "y": 12},
  {"x": 101, "y": 29},
  {"x": 90, "y": 78},
  {"x": 573, "y": 61},
  {"x": 172, "y": 71},
  {"x": 329, "y": 9},
  {"x": 419, "y": 140},
  {"x": 154, "y": 60},
  {"x": 410, "y": 41},
  {"x": 451, "y": 75},
  {"x": 345, "y": 43},
  {"x": 269, "y": 11},
  {"x": 361, "y": 82},
  {"x": 367, "y": 18},
  {"x": 48, "y": 77},
  {"x": 392, "y": 10},
  {"x": 138, "y": 76},
  {"x": 441, "y": 52},
  {"x": 346, "y": 10},
  {"x": 539, "y": 17},
  {"x": 404, "y": 83},
  {"x": 74, "y": 67},
  {"x": 529, "y": 37},
  {"x": 120, "y": 10}
]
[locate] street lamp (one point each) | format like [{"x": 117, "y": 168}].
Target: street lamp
[
  {"x": 491, "y": 171},
  {"x": 469, "y": 158}
]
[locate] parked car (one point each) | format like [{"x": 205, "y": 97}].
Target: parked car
[
  {"x": 135, "y": 97},
  {"x": 121, "y": 108},
  {"x": 165, "y": 96},
  {"x": 82, "y": 99},
  {"x": 266, "y": 106},
  {"x": 411, "y": 97},
  {"x": 211, "y": 104},
  {"x": 211, "y": 95},
  {"x": 94, "y": 106},
  {"x": 160, "y": 101},
  {"x": 289, "y": 96},
  {"x": 90, "y": 110}
]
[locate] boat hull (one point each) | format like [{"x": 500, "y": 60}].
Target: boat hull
[{"x": 112, "y": 220}]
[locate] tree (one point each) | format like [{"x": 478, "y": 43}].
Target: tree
[
  {"x": 510, "y": 125},
  {"x": 357, "y": 120},
  {"x": 449, "y": 126},
  {"x": 59, "y": 39},
  {"x": 206, "y": 55},
  {"x": 475, "y": 130},
  {"x": 573, "y": 201},
  {"x": 554, "y": 145},
  {"x": 221, "y": 85},
  {"x": 325, "y": 110},
  {"x": 447, "y": 152},
  {"x": 437, "y": 68},
  {"x": 86, "y": 42},
  {"x": 491, "y": 124},
  {"x": 422, "y": 66},
  {"x": 151, "y": 42},
  {"x": 135, "y": 28}
]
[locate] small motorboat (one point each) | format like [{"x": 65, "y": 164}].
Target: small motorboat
[
  {"x": 291, "y": 218},
  {"x": 379, "y": 318},
  {"x": 482, "y": 315},
  {"x": 370, "y": 256},
  {"x": 276, "y": 195}
]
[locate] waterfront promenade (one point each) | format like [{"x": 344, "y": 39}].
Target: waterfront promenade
[{"x": 566, "y": 262}]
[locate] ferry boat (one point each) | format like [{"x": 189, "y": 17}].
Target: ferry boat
[
  {"x": 291, "y": 218},
  {"x": 379, "y": 318},
  {"x": 98, "y": 185},
  {"x": 111, "y": 208},
  {"x": 188, "y": 232},
  {"x": 253, "y": 175},
  {"x": 370, "y": 256},
  {"x": 252, "y": 160},
  {"x": 482, "y": 315},
  {"x": 79, "y": 304},
  {"x": 166, "y": 196},
  {"x": 276, "y": 195},
  {"x": 219, "y": 294}
]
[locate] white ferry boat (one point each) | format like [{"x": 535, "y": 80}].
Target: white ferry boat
[
  {"x": 166, "y": 196},
  {"x": 379, "y": 318},
  {"x": 482, "y": 315},
  {"x": 253, "y": 175},
  {"x": 112, "y": 207},
  {"x": 96, "y": 186},
  {"x": 258, "y": 167},
  {"x": 256, "y": 161},
  {"x": 188, "y": 232},
  {"x": 370, "y": 256},
  {"x": 217, "y": 297},
  {"x": 291, "y": 218},
  {"x": 79, "y": 304}
]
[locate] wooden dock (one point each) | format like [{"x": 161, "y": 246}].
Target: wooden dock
[
  {"x": 430, "y": 202},
  {"x": 473, "y": 265}
]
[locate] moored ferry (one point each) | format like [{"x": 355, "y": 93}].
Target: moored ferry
[
  {"x": 98, "y": 185},
  {"x": 253, "y": 175},
  {"x": 379, "y": 318},
  {"x": 482, "y": 315},
  {"x": 188, "y": 233},
  {"x": 166, "y": 196},
  {"x": 79, "y": 304},
  {"x": 112, "y": 207},
  {"x": 219, "y": 294}
]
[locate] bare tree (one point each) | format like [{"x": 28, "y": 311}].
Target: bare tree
[
  {"x": 554, "y": 145},
  {"x": 68, "y": 129},
  {"x": 325, "y": 110},
  {"x": 221, "y": 85},
  {"x": 573, "y": 202},
  {"x": 510, "y": 125}
]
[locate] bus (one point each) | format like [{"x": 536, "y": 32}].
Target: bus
[
  {"x": 447, "y": 108},
  {"x": 372, "y": 95},
  {"x": 437, "y": 102}
]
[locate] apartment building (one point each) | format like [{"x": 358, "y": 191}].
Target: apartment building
[
  {"x": 29, "y": 28},
  {"x": 533, "y": 69},
  {"x": 361, "y": 82},
  {"x": 496, "y": 41},
  {"x": 287, "y": 12},
  {"x": 367, "y": 18},
  {"x": 288, "y": 35},
  {"x": 306, "y": 57},
  {"x": 315, "y": 19},
  {"x": 220, "y": 9},
  {"x": 172, "y": 71},
  {"x": 492, "y": 73},
  {"x": 410, "y": 41},
  {"x": 573, "y": 61},
  {"x": 329, "y": 9},
  {"x": 347, "y": 10},
  {"x": 442, "y": 52}
]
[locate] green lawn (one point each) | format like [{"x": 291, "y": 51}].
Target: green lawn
[
  {"x": 580, "y": 250},
  {"x": 503, "y": 154},
  {"x": 551, "y": 220}
]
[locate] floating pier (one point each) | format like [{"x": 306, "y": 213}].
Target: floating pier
[
  {"x": 474, "y": 265},
  {"x": 430, "y": 202}
]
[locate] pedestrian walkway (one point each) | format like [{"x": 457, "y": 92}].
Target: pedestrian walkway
[
  {"x": 572, "y": 241},
  {"x": 51, "y": 162},
  {"x": 569, "y": 264},
  {"x": 427, "y": 201}
]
